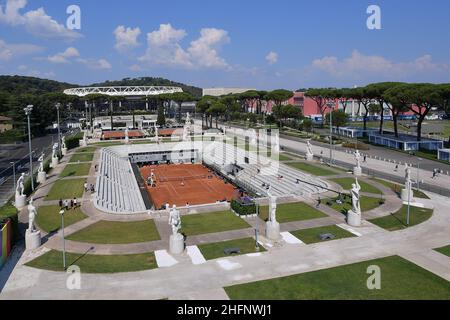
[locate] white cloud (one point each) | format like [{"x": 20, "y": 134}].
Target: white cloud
[
  {"x": 272, "y": 57},
  {"x": 9, "y": 50},
  {"x": 358, "y": 65},
  {"x": 100, "y": 64},
  {"x": 164, "y": 48},
  {"x": 36, "y": 22},
  {"x": 64, "y": 57},
  {"x": 126, "y": 38}
]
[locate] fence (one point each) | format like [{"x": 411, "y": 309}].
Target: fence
[{"x": 5, "y": 241}]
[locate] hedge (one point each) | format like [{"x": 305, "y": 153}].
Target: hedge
[
  {"x": 8, "y": 211},
  {"x": 243, "y": 210}
]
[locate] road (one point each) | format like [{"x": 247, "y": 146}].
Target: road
[{"x": 20, "y": 155}]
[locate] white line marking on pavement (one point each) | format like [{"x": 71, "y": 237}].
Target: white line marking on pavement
[
  {"x": 347, "y": 228},
  {"x": 253, "y": 255},
  {"x": 289, "y": 238},
  {"x": 414, "y": 204},
  {"x": 164, "y": 259},
  {"x": 195, "y": 255},
  {"x": 228, "y": 265}
]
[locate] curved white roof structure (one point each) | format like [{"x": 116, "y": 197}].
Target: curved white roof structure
[{"x": 124, "y": 91}]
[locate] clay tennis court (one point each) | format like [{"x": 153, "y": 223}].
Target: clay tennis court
[
  {"x": 109, "y": 135},
  {"x": 186, "y": 183}
]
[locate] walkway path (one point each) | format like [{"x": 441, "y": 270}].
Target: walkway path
[{"x": 185, "y": 280}]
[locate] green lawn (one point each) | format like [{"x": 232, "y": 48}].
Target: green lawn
[
  {"x": 82, "y": 157},
  {"x": 76, "y": 170},
  {"x": 283, "y": 157},
  {"x": 400, "y": 280},
  {"x": 312, "y": 235},
  {"x": 211, "y": 222},
  {"x": 367, "y": 204},
  {"x": 49, "y": 219},
  {"x": 312, "y": 169},
  {"x": 397, "y": 188},
  {"x": 88, "y": 263},
  {"x": 66, "y": 189},
  {"x": 346, "y": 183},
  {"x": 397, "y": 221},
  {"x": 114, "y": 232},
  {"x": 86, "y": 150},
  {"x": 444, "y": 250},
  {"x": 288, "y": 212},
  {"x": 216, "y": 250}
]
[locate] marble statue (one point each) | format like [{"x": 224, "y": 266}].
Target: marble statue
[
  {"x": 55, "y": 151},
  {"x": 156, "y": 132},
  {"x": 175, "y": 220},
  {"x": 253, "y": 137},
  {"x": 41, "y": 162},
  {"x": 63, "y": 142},
  {"x": 32, "y": 213},
  {"x": 20, "y": 185},
  {"x": 272, "y": 226},
  {"x": 407, "y": 177},
  {"x": 309, "y": 148},
  {"x": 358, "y": 159},
  {"x": 272, "y": 207},
  {"x": 356, "y": 199}
]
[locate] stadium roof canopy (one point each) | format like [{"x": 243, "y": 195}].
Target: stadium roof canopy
[{"x": 125, "y": 91}]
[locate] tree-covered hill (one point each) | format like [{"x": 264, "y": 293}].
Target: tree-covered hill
[{"x": 30, "y": 85}]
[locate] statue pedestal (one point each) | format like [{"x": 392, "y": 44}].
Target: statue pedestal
[
  {"x": 64, "y": 151},
  {"x": 272, "y": 230},
  {"x": 176, "y": 244},
  {"x": 20, "y": 201},
  {"x": 32, "y": 240},
  {"x": 82, "y": 143},
  {"x": 309, "y": 157},
  {"x": 55, "y": 162},
  {"x": 404, "y": 195},
  {"x": 41, "y": 177},
  {"x": 357, "y": 171},
  {"x": 353, "y": 219}
]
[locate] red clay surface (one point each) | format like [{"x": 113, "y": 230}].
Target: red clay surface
[
  {"x": 200, "y": 185},
  {"x": 121, "y": 134},
  {"x": 168, "y": 132}
]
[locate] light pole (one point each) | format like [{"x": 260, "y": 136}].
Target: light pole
[
  {"x": 58, "y": 105},
  {"x": 330, "y": 105},
  {"x": 63, "y": 239},
  {"x": 409, "y": 206},
  {"x": 28, "y": 111},
  {"x": 418, "y": 173},
  {"x": 14, "y": 173}
]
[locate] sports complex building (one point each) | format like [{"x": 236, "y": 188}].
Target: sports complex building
[{"x": 142, "y": 177}]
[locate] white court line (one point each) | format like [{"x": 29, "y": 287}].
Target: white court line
[
  {"x": 349, "y": 229},
  {"x": 253, "y": 255},
  {"x": 195, "y": 255},
  {"x": 228, "y": 265},
  {"x": 291, "y": 239},
  {"x": 164, "y": 259}
]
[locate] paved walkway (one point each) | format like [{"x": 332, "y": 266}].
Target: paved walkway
[{"x": 188, "y": 281}]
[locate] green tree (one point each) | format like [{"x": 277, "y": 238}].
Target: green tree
[
  {"x": 161, "y": 120},
  {"x": 339, "y": 118},
  {"x": 376, "y": 92},
  {"x": 397, "y": 102},
  {"x": 217, "y": 109}
]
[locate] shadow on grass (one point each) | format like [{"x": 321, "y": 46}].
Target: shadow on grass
[{"x": 81, "y": 257}]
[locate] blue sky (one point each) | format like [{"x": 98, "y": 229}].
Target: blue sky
[{"x": 256, "y": 44}]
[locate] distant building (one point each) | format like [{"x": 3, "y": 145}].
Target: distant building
[
  {"x": 217, "y": 92},
  {"x": 5, "y": 124}
]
